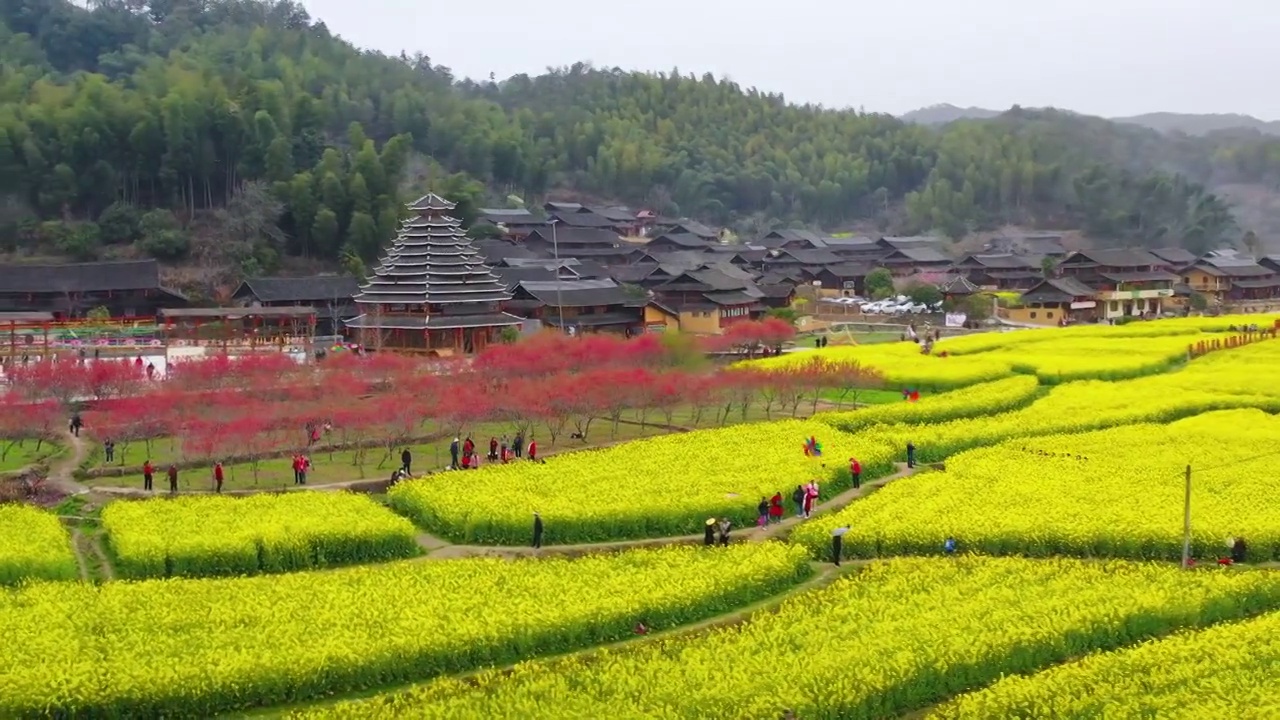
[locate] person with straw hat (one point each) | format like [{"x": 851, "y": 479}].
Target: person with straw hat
[{"x": 709, "y": 533}]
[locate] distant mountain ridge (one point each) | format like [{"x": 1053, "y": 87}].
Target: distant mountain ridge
[{"x": 1164, "y": 122}]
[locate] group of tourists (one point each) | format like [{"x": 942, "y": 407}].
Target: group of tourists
[
  {"x": 805, "y": 497},
  {"x": 463, "y": 455},
  {"x": 301, "y": 466},
  {"x": 148, "y": 474},
  {"x": 717, "y": 531}
]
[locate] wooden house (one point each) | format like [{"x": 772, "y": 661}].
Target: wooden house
[
  {"x": 129, "y": 288},
  {"x": 331, "y": 296},
  {"x": 1129, "y": 283}
]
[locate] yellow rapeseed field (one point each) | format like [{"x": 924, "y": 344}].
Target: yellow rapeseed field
[
  {"x": 1116, "y": 493},
  {"x": 1227, "y": 671},
  {"x": 34, "y": 546},
  {"x": 983, "y": 399},
  {"x": 655, "y": 487},
  {"x": 198, "y": 536},
  {"x": 199, "y": 647},
  {"x": 1053, "y": 355},
  {"x": 896, "y": 637}
]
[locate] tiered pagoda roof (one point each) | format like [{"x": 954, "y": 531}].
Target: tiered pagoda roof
[{"x": 434, "y": 270}]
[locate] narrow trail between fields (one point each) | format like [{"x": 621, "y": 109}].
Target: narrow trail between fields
[
  {"x": 441, "y": 549},
  {"x": 62, "y": 471}
]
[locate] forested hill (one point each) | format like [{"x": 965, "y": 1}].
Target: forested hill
[{"x": 231, "y": 133}]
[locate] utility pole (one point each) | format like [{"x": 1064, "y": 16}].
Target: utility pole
[{"x": 1186, "y": 523}]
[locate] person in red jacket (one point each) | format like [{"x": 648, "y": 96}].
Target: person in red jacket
[
  {"x": 533, "y": 449},
  {"x": 148, "y": 471},
  {"x": 855, "y": 471},
  {"x": 217, "y": 477},
  {"x": 297, "y": 469},
  {"x": 775, "y": 508}
]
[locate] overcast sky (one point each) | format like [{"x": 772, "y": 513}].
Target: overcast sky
[{"x": 1103, "y": 57}]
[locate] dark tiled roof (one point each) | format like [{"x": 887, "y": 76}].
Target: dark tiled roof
[
  {"x": 814, "y": 257},
  {"x": 576, "y": 293},
  {"x": 1058, "y": 289},
  {"x": 562, "y": 207},
  {"x": 684, "y": 240},
  {"x": 958, "y": 285},
  {"x": 1236, "y": 266},
  {"x": 778, "y": 290},
  {"x": 919, "y": 254},
  {"x": 913, "y": 241},
  {"x": 583, "y": 219},
  {"x": 730, "y": 298},
  {"x": 616, "y": 214},
  {"x": 513, "y": 276},
  {"x": 693, "y": 227},
  {"x": 1175, "y": 256},
  {"x": 500, "y": 215},
  {"x": 1264, "y": 283},
  {"x": 80, "y": 277},
  {"x": 497, "y": 251},
  {"x": 633, "y": 273},
  {"x": 568, "y": 236},
  {"x": 1150, "y": 276},
  {"x": 1118, "y": 257},
  {"x": 598, "y": 319},
  {"x": 299, "y": 289},
  {"x": 999, "y": 261},
  {"x": 847, "y": 270}
]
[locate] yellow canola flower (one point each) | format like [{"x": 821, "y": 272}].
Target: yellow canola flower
[
  {"x": 1115, "y": 493},
  {"x": 902, "y": 365},
  {"x": 198, "y": 536},
  {"x": 898, "y": 636},
  {"x": 656, "y": 487},
  {"x": 34, "y": 546},
  {"x": 983, "y": 399},
  {"x": 1053, "y": 355},
  {"x": 199, "y": 647},
  {"x": 1222, "y": 672},
  {"x": 1247, "y": 377}
]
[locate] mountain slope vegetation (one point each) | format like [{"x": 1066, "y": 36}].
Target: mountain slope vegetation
[{"x": 234, "y": 133}]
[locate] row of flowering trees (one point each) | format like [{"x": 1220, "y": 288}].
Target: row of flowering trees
[{"x": 552, "y": 385}]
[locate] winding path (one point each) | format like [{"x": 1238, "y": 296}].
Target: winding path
[
  {"x": 441, "y": 549},
  {"x": 62, "y": 471}
]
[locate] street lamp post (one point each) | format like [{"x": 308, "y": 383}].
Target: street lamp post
[{"x": 555, "y": 249}]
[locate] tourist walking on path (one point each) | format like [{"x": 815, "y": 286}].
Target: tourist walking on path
[
  {"x": 533, "y": 449},
  {"x": 775, "y": 507},
  {"x": 147, "y": 473},
  {"x": 468, "y": 449},
  {"x": 855, "y": 471},
  {"x": 709, "y": 533},
  {"x": 297, "y": 469},
  {"x": 217, "y": 477},
  {"x": 304, "y": 464},
  {"x": 493, "y": 449},
  {"x": 173, "y": 478},
  {"x": 517, "y": 445},
  {"x": 503, "y": 451},
  {"x": 453, "y": 454},
  {"x": 911, "y": 455},
  {"x": 109, "y": 450},
  {"x": 406, "y": 460},
  {"x": 837, "y": 544},
  {"x": 76, "y": 424},
  {"x": 724, "y": 532},
  {"x": 797, "y": 497},
  {"x": 537, "y": 531},
  {"x": 762, "y": 511}
]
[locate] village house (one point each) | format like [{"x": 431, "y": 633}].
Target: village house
[
  {"x": 585, "y": 306},
  {"x": 709, "y": 300},
  {"x": 1231, "y": 279},
  {"x": 1055, "y": 301},
  {"x": 331, "y": 296},
  {"x": 1129, "y": 283},
  {"x": 915, "y": 259},
  {"x": 567, "y": 240},
  {"x": 129, "y": 288},
  {"x": 515, "y": 224},
  {"x": 676, "y": 241},
  {"x": 1004, "y": 271}
]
